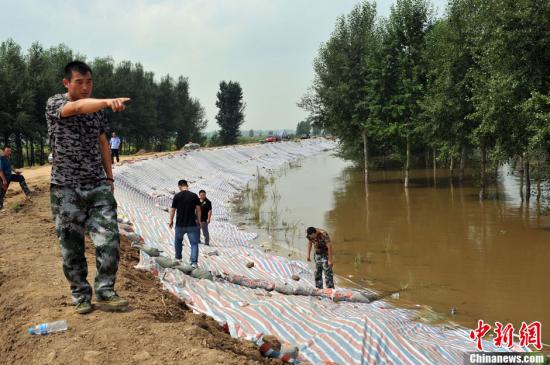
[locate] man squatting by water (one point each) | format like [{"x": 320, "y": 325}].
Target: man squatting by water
[
  {"x": 82, "y": 187},
  {"x": 322, "y": 256}
]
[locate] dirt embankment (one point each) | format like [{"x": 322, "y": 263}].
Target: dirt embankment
[{"x": 157, "y": 328}]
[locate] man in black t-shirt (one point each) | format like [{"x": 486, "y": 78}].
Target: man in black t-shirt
[
  {"x": 206, "y": 215},
  {"x": 188, "y": 206}
]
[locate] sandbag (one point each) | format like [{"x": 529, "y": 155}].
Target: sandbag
[
  {"x": 166, "y": 262},
  {"x": 249, "y": 282},
  {"x": 123, "y": 228},
  {"x": 151, "y": 251},
  {"x": 134, "y": 237},
  {"x": 201, "y": 274},
  {"x": 124, "y": 220},
  {"x": 304, "y": 290},
  {"x": 184, "y": 268},
  {"x": 284, "y": 289}
]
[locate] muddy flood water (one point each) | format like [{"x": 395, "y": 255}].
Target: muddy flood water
[{"x": 466, "y": 259}]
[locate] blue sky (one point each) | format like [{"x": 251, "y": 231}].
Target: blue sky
[{"x": 266, "y": 45}]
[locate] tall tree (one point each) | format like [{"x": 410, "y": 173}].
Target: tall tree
[
  {"x": 404, "y": 44},
  {"x": 160, "y": 114},
  {"x": 231, "y": 111},
  {"x": 16, "y": 102},
  {"x": 338, "y": 99}
]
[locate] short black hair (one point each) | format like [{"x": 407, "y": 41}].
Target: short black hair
[
  {"x": 202, "y": 191},
  {"x": 77, "y": 66},
  {"x": 182, "y": 183},
  {"x": 310, "y": 231},
  {"x": 5, "y": 146}
]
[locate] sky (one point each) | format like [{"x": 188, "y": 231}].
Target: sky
[{"x": 268, "y": 46}]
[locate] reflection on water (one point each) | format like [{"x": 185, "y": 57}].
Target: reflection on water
[{"x": 487, "y": 260}]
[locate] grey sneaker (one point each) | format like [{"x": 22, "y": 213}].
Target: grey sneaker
[
  {"x": 113, "y": 302},
  {"x": 194, "y": 266},
  {"x": 83, "y": 307}
]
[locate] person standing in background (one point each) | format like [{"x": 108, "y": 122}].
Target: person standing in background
[
  {"x": 188, "y": 208},
  {"x": 206, "y": 215},
  {"x": 115, "y": 146}
]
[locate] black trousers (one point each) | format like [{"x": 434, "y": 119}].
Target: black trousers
[
  {"x": 17, "y": 178},
  {"x": 114, "y": 152}
]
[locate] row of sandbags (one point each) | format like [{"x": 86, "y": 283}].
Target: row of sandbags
[{"x": 337, "y": 295}]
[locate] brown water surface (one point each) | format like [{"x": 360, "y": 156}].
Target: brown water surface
[{"x": 488, "y": 260}]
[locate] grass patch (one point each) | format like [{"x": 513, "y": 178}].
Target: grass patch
[
  {"x": 16, "y": 207},
  {"x": 389, "y": 247}
]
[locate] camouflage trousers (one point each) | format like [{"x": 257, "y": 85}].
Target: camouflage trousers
[
  {"x": 74, "y": 211},
  {"x": 321, "y": 265}
]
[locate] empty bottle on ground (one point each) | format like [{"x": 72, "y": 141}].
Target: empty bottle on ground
[{"x": 47, "y": 328}]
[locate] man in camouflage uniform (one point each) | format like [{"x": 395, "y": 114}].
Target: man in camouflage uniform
[
  {"x": 82, "y": 187},
  {"x": 323, "y": 256}
]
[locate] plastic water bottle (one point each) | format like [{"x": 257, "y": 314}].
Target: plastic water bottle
[{"x": 46, "y": 328}]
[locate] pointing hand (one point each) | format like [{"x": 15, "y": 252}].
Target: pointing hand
[{"x": 117, "y": 104}]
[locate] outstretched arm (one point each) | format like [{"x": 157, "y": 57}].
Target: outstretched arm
[
  {"x": 90, "y": 105},
  {"x": 308, "y": 250}
]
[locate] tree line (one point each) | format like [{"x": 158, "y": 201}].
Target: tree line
[
  {"x": 470, "y": 87},
  {"x": 161, "y": 115}
]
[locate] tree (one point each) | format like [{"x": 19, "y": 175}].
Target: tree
[
  {"x": 251, "y": 133},
  {"x": 471, "y": 85},
  {"x": 404, "y": 71},
  {"x": 512, "y": 53},
  {"x": 303, "y": 127},
  {"x": 16, "y": 102},
  {"x": 161, "y": 114},
  {"x": 447, "y": 101},
  {"x": 231, "y": 111},
  {"x": 338, "y": 100}
]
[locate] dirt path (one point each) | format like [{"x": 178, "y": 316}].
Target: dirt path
[{"x": 157, "y": 329}]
